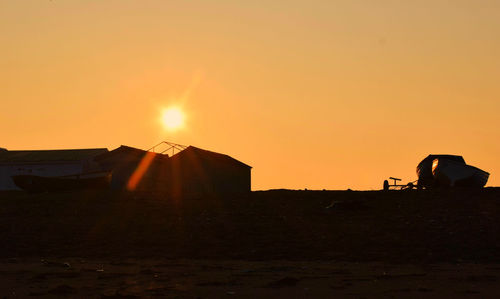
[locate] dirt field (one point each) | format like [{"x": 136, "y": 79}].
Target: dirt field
[{"x": 272, "y": 243}]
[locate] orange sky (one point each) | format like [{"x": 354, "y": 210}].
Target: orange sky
[{"x": 312, "y": 94}]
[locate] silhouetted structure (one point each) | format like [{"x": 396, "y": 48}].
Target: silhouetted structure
[
  {"x": 46, "y": 163},
  {"x": 124, "y": 161},
  {"x": 449, "y": 170},
  {"x": 190, "y": 172},
  {"x": 199, "y": 171}
]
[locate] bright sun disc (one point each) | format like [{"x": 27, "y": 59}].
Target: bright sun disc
[{"x": 172, "y": 118}]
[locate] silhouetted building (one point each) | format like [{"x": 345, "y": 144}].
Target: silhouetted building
[
  {"x": 198, "y": 171},
  {"x": 124, "y": 163},
  {"x": 190, "y": 172},
  {"x": 46, "y": 163}
]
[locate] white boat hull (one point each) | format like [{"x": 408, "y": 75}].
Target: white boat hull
[{"x": 450, "y": 173}]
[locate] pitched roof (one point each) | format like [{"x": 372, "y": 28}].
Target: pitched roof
[
  {"x": 209, "y": 155},
  {"x": 128, "y": 150},
  {"x": 50, "y": 155}
]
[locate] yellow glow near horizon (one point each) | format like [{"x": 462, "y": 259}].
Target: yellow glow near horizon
[{"x": 172, "y": 118}]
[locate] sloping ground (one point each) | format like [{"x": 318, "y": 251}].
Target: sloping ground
[{"x": 294, "y": 225}]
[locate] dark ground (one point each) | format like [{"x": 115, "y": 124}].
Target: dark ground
[{"x": 285, "y": 230}]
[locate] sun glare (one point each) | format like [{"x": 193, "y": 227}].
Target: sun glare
[{"x": 172, "y": 118}]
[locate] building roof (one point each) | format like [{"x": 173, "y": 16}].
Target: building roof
[
  {"x": 50, "y": 155},
  {"x": 187, "y": 154},
  {"x": 127, "y": 150},
  {"x": 208, "y": 155}
]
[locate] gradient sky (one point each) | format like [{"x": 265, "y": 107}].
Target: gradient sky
[{"x": 312, "y": 94}]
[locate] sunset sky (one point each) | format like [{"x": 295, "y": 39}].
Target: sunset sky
[{"x": 312, "y": 94}]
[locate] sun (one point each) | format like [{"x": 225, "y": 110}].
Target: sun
[{"x": 172, "y": 118}]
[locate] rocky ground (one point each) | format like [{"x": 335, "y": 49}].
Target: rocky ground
[{"x": 269, "y": 243}]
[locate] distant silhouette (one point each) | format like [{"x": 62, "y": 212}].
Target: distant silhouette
[
  {"x": 449, "y": 171},
  {"x": 30, "y": 169},
  {"x": 443, "y": 171},
  {"x": 190, "y": 171}
]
